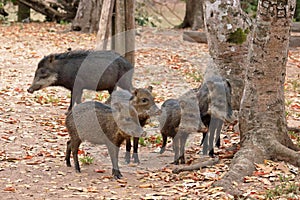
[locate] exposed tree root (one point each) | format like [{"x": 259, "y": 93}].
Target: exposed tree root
[
  {"x": 196, "y": 166},
  {"x": 281, "y": 152},
  {"x": 294, "y": 129},
  {"x": 241, "y": 166},
  {"x": 243, "y": 162}
]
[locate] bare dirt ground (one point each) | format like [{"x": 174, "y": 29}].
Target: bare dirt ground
[{"x": 33, "y": 136}]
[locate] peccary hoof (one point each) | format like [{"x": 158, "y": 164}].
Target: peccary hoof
[
  {"x": 136, "y": 158},
  {"x": 127, "y": 157},
  {"x": 116, "y": 174},
  {"x": 69, "y": 164},
  {"x": 175, "y": 162},
  {"x": 162, "y": 150},
  {"x": 211, "y": 153}
]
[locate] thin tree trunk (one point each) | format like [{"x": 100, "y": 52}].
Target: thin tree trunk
[
  {"x": 118, "y": 27},
  {"x": 130, "y": 30},
  {"x": 104, "y": 24}
]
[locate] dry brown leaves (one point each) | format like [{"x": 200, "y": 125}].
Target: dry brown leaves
[{"x": 33, "y": 136}]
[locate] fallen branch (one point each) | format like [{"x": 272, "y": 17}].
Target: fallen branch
[
  {"x": 294, "y": 129},
  {"x": 196, "y": 166}
]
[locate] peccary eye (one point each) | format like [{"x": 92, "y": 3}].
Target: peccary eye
[
  {"x": 43, "y": 73},
  {"x": 127, "y": 119},
  {"x": 145, "y": 100}
]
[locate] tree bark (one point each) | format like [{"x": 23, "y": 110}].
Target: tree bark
[
  {"x": 130, "y": 30},
  {"x": 104, "y": 24},
  {"x": 193, "y": 15},
  {"x": 228, "y": 38},
  {"x": 263, "y": 127},
  {"x": 118, "y": 28},
  {"x": 87, "y": 16}
]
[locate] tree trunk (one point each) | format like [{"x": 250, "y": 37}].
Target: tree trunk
[
  {"x": 262, "y": 113},
  {"x": 23, "y": 11},
  {"x": 118, "y": 28},
  {"x": 130, "y": 30},
  {"x": 193, "y": 15},
  {"x": 123, "y": 29},
  {"x": 104, "y": 24},
  {"x": 229, "y": 43},
  {"x": 87, "y": 16}
]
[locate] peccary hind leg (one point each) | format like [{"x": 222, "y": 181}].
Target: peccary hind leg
[
  {"x": 74, "y": 147},
  {"x": 68, "y": 153}
]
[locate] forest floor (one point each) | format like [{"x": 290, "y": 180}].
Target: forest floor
[{"x": 33, "y": 136}]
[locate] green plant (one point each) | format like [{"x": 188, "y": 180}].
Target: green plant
[
  {"x": 86, "y": 160},
  {"x": 101, "y": 96},
  {"x": 46, "y": 99},
  {"x": 286, "y": 188},
  {"x": 196, "y": 76},
  {"x": 295, "y": 85},
  {"x": 288, "y": 102},
  {"x": 63, "y": 22},
  {"x": 296, "y": 136},
  {"x": 142, "y": 16}
]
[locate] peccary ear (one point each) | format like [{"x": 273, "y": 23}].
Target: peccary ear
[
  {"x": 134, "y": 91},
  {"x": 51, "y": 58},
  {"x": 182, "y": 104},
  {"x": 150, "y": 88}
]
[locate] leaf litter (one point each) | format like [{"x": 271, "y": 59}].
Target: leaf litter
[{"x": 33, "y": 136}]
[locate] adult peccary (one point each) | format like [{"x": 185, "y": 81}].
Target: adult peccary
[
  {"x": 213, "y": 100},
  {"x": 214, "y": 97},
  {"x": 143, "y": 101},
  {"x": 179, "y": 118},
  {"x": 101, "y": 124},
  {"x": 79, "y": 70}
]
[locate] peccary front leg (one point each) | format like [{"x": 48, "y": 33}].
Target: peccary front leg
[
  {"x": 176, "y": 142},
  {"x": 135, "y": 150},
  {"x": 128, "y": 148},
  {"x": 163, "y": 147},
  {"x": 113, "y": 151},
  {"x": 68, "y": 154},
  {"x": 183, "y": 139},
  {"x": 218, "y": 132}
]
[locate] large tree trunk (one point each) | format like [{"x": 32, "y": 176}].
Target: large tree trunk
[
  {"x": 262, "y": 114},
  {"x": 193, "y": 15},
  {"x": 228, "y": 40},
  {"x": 87, "y": 16}
]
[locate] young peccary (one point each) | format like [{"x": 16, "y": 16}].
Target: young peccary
[
  {"x": 79, "y": 70},
  {"x": 101, "y": 124},
  {"x": 179, "y": 118},
  {"x": 143, "y": 102}
]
